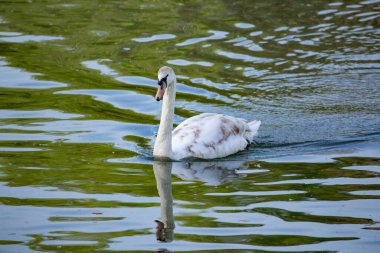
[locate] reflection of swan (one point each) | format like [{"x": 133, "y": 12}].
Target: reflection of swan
[
  {"x": 165, "y": 226},
  {"x": 206, "y": 136},
  {"x": 210, "y": 172}
]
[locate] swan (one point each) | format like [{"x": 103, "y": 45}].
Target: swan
[{"x": 205, "y": 136}]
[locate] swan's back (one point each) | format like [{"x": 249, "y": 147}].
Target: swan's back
[{"x": 211, "y": 135}]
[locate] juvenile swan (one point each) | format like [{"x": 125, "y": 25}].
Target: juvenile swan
[{"x": 206, "y": 136}]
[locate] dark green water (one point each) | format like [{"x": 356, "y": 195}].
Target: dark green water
[{"x": 78, "y": 122}]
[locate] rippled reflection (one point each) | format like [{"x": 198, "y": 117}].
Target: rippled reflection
[{"x": 165, "y": 226}]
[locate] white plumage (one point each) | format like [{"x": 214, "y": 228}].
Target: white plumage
[
  {"x": 206, "y": 136},
  {"x": 211, "y": 135}
]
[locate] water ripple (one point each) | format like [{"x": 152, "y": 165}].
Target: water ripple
[
  {"x": 244, "y": 25},
  {"x": 48, "y": 113},
  {"x": 155, "y": 38},
  {"x": 123, "y": 99},
  {"x": 243, "y": 57},
  {"x": 100, "y": 66},
  {"x": 19, "y": 79},
  {"x": 78, "y": 121},
  {"x": 216, "y": 35},
  {"x": 182, "y": 62},
  {"x": 15, "y": 37}
]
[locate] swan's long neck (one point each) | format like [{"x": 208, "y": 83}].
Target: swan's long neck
[{"x": 163, "y": 145}]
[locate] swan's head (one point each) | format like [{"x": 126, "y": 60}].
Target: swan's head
[{"x": 166, "y": 78}]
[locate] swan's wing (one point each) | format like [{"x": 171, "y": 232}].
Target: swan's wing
[{"x": 210, "y": 136}]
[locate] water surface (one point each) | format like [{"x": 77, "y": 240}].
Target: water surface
[{"x": 78, "y": 122}]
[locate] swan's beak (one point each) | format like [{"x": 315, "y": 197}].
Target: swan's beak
[{"x": 160, "y": 92}]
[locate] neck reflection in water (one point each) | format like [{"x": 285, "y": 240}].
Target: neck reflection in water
[
  {"x": 165, "y": 226},
  {"x": 209, "y": 172}
]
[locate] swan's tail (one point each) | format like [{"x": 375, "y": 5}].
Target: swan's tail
[{"x": 254, "y": 128}]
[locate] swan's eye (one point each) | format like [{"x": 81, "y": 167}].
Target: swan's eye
[{"x": 163, "y": 80}]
